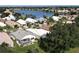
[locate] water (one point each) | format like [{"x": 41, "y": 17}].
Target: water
[{"x": 38, "y": 14}]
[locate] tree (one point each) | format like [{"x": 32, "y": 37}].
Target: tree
[
  {"x": 50, "y": 19},
  {"x": 4, "y": 44},
  {"x": 77, "y": 21},
  {"x": 61, "y": 38},
  {"x": 45, "y": 16},
  {"x": 73, "y": 13},
  {"x": 64, "y": 19},
  {"x": 16, "y": 26},
  {"x": 1, "y": 29},
  {"x": 4, "y": 48},
  {"x": 29, "y": 25},
  {"x": 17, "y": 15},
  {"x": 5, "y": 14},
  {"x": 8, "y": 27},
  {"x": 2, "y": 10}
]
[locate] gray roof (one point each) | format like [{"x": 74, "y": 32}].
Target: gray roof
[{"x": 20, "y": 33}]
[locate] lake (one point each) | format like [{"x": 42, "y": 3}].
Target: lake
[{"x": 38, "y": 14}]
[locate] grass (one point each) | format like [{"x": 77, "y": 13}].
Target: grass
[
  {"x": 73, "y": 50},
  {"x": 19, "y": 49}
]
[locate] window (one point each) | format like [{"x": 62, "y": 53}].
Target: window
[
  {"x": 27, "y": 39},
  {"x": 32, "y": 38},
  {"x": 24, "y": 40}
]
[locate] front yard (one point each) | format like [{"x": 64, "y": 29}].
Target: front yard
[{"x": 34, "y": 48}]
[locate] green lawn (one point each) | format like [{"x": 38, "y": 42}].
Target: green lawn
[
  {"x": 73, "y": 50},
  {"x": 25, "y": 49}
]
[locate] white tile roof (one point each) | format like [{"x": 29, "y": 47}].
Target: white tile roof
[
  {"x": 55, "y": 18},
  {"x": 21, "y": 21},
  {"x": 31, "y": 20},
  {"x": 12, "y": 17},
  {"x": 8, "y": 18},
  {"x": 38, "y": 32}
]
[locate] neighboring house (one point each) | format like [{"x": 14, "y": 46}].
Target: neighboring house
[
  {"x": 23, "y": 37},
  {"x": 55, "y": 18},
  {"x": 77, "y": 9},
  {"x": 2, "y": 24},
  {"x": 37, "y": 32},
  {"x": 63, "y": 11},
  {"x": 12, "y": 23},
  {"x": 10, "y": 17},
  {"x": 21, "y": 22},
  {"x": 2, "y": 20},
  {"x": 45, "y": 26},
  {"x": 4, "y": 38},
  {"x": 68, "y": 17},
  {"x": 30, "y": 20},
  {"x": 41, "y": 19},
  {"x": 27, "y": 37},
  {"x": 7, "y": 11},
  {"x": 68, "y": 22},
  {"x": 6, "y": 18}
]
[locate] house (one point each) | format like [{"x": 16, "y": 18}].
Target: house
[
  {"x": 68, "y": 22},
  {"x": 7, "y": 11},
  {"x": 21, "y": 22},
  {"x": 63, "y": 11},
  {"x": 2, "y": 20},
  {"x": 6, "y": 18},
  {"x": 27, "y": 37},
  {"x": 41, "y": 19},
  {"x": 45, "y": 26},
  {"x": 10, "y": 17},
  {"x": 37, "y": 32},
  {"x": 2, "y": 24},
  {"x": 23, "y": 37},
  {"x": 4, "y": 38},
  {"x": 55, "y": 18},
  {"x": 12, "y": 23},
  {"x": 30, "y": 20},
  {"x": 69, "y": 17}
]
